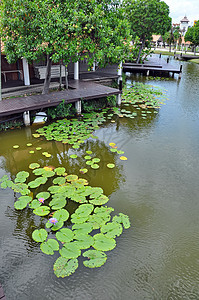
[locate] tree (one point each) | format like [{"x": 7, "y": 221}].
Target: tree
[
  {"x": 64, "y": 30},
  {"x": 192, "y": 35},
  {"x": 147, "y": 17}
]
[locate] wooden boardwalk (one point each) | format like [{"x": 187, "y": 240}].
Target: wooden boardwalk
[
  {"x": 185, "y": 56},
  {"x": 154, "y": 66},
  {"x": 81, "y": 90},
  {"x": 2, "y": 295}
]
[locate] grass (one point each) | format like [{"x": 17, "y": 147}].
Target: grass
[{"x": 196, "y": 61}]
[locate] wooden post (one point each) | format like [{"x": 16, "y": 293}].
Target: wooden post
[
  {"x": 119, "y": 72},
  {"x": 119, "y": 99},
  {"x": 76, "y": 70},
  {"x": 78, "y": 106},
  {"x": 26, "y": 71},
  {"x": 26, "y": 118}
]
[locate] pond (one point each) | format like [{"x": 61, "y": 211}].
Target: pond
[{"x": 157, "y": 187}]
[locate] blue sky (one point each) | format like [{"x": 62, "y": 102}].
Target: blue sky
[{"x": 180, "y": 8}]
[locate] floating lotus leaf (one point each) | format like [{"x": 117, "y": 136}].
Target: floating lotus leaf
[
  {"x": 103, "y": 243},
  {"x": 32, "y": 151},
  {"x": 96, "y": 160},
  {"x": 71, "y": 177},
  {"x": 87, "y": 157},
  {"x": 36, "y": 135},
  {"x": 75, "y": 146},
  {"x": 21, "y": 204},
  {"x": 34, "y": 166},
  {"x": 33, "y": 184},
  {"x": 15, "y": 146},
  {"x": 44, "y": 153},
  {"x": 99, "y": 200},
  {"x": 54, "y": 189},
  {"x": 113, "y": 150},
  {"x": 123, "y": 219},
  {"x": 61, "y": 215},
  {"x": 95, "y": 166},
  {"x": 103, "y": 210},
  {"x": 21, "y": 188},
  {"x": 44, "y": 195},
  {"x": 64, "y": 267},
  {"x": 78, "y": 219},
  {"x": 57, "y": 203},
  {"x": 65, "y": 235},
  {"x": 82, "y": 181},
  {"x": 96, "y": 192},
  {"x": 120, "y": 152},
  {"x": 48, "y": 173},
  {"x": 123, "y": 157},
  {"x": 73, "y": 156},
  {"x": 70, "y": 250},
  {"x": 29, "y": 144},
  {"x": 42, "y": 210},
  {"x": 48, "y": 155},
  {"x": 38, "y": 148},
  {"x": 83, "y": 241},
  {"x": 39, "y": 171},
  {"x": 49, "y": 247},
  {"x": 84, "y": 209},
  {"x": 89, "y": 162},
  {"x": 34, "y": 204},
  {"x": 55, "y": 226},
  {"x": 60, "y": 171},
  {"x": 84, "y": 228},
  {"x": 89, "y": 152},
  {"x": 97, "y": 221},
  {"x": 21, "y": 177},
  {"x": 59, "y": 180},
  {"x": 83, "y": 171},
  {"x": 39, "y": 235},
  {"x": 48, "y": 168},
  {"x": 112, "y": 229},
  {"x": 95, "y": 258},
  {"x": 79, "y": 198},
  {"x": 111, "y": 166}
]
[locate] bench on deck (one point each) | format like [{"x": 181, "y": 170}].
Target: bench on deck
[
  {"x": 12, "y": 71},
  {"x": 40, "y": 71}
]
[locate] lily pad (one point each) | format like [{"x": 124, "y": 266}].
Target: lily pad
[
  {"x": 83, "y": 171},
  {"x": 34, "y": 204},
  {"x": 111, "y": 166},
  {"x": 95, "y": 166},
  {"x": 87, "y": 157},
  {"x": 123, "y": 157},
  {"x": 70, "y": 250},
  {"x": 61, "y": 215},
  {"x": 21, "y": 204},
  {"x": 65, "y": 235},
  {"x": 64, "y": 267},
  {"x": 112, "y": 144},
  {"x": 112, "y": 229},
  {"x": 15, "y": 146},
  {"x": 71, "y": 177},
  {"x": 29, "y": 144},
  {"x": 84, "y": 209},
  {"x": 38, "y": 148},
  {"x": 57, "y": 203},
  {"x": 120, "y": 152},
  {"x": 84, "y": 228},
  {"x": 34, "y": 166},
  {"x": 103, "y": 243},
  {"x": 123, "y": 219},
  {"x": 60, "y": 171},
  {"x": 32, "y": 151},
  {"x": 89, "y": 152},
  {"x": 73, "y": 156},
  {"x": 99, "y": 200},
  {"x": 95, "y": 258},
  {"x": 49, "y": 247},
  {"x": 44, "y": 195},
  {"x": 83, "y": 241},
  {"x": 39, "y": 235},
  {"x": 59, "y": 180},
  {"x": 42, "y": 210},
  {"x": 55, "y": 226},
  {"x": 96, "y": 160}
]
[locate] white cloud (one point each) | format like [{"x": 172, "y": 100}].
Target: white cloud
[{"x": 180, "y": 8}]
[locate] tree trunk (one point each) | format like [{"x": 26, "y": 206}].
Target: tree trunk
[
  {"x": 48, "y": 76},
  {"x": 140, "y": 50},
  {"x": 194, "y": 50}
]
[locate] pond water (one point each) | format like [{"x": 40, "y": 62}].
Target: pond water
[{"x": 157, "y": 187}]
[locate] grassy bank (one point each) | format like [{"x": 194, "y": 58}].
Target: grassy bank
[
  {"x": 163, "y": 52},
  {"x": 196, "y": 61}
]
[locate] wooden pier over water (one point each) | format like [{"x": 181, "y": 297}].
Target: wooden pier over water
[
  {"x": 185, "y": 56},
  {"x": 152, "y": 67}
]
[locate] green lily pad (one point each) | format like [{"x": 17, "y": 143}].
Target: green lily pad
[
  {"x": 89, "y": 162},
  {"x": 49, "y": 247},
  {"x": 84, "y": 228},
  {"x": 36, "y": 135},
  {"x": 39, "y": 235},
  {"x": 78, "y": 219},
  {"x": 95, "y": 258},
  {"x": 103, "y": 243},
  {"x": 64, "y": 267},
  {"x": 60, "y": 171},
  {"x": 65, "y": 235},
  {"x": 96, "y": 160},
  {"x": 95, "y": 166},
  {"x": 29, "y": 144},
  {"x": 55, "y": 226},
  {"x": 21, "y": 204},
  {"x": 59, "y": 180},
  {"x": 73, "y": 156},
  {"x": 113, "y": 150},
  {"x": 70, "y": 250},
  {"x": 21, "y": 177},
  {"x": 84, "y": 210},
  {"x": 38, "y": 148},
  {"x": 111, "y": 166},
  {"x": 83, "y": 171},
  {"x": 123, "y": 219},
  {"x": 44, "y": 195},
  {"x": 34, "y": 166},
  {"x": 120, "y": 152},
  {"x": 71, "y": 177},
  {"x": 57, "y": 203},
  {"x": 34, "y": 204},
  {"x": 87, "y": 157},
  {"x": 112, "y": 229},
  {"x": 61, "y": 215},
  {"x": 89, "y": 152},
  {"x": 15, "y": 146},
  {"x": 32, "y": 151},
  {"x": 99, "y": 200},
  {"x": 42, "y": 210},
  {"x": 83, "y": 241}
]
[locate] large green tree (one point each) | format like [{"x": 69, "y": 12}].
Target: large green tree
[
  {"x": 147, "y": 17},
  {"x": 64, "y": 30},
  {"x": 192, "y": 35}
]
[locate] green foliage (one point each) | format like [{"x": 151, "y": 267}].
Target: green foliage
[
  {"x": 49, "y": 247},
  {"x": 192, "y": 35},
  {"x": 11, "y": 125},
  {"x": 64, "y": 267},
  {"x": 39, "y": 235},
  {"x": 62, "y": 110},
  {"x": 95, "y": 258},
  {"x": 96, "y": 105}
]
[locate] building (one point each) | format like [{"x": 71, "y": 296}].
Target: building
[{"x": 184, "y": 24}]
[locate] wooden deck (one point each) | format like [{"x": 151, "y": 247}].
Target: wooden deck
[
  {"x": 185, "y": 56},
  {"x": 159, "y": 66},
  {"x": 2, "y": 295},
  {"x": 81, "y": 90}
]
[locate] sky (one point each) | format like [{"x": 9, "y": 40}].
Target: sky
[{"x": 180, "y": 8}]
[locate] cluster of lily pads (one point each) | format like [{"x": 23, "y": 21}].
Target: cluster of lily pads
[{"x": 89, "y": 231}]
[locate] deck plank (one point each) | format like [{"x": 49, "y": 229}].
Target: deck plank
[{"x": 83, "y": 91}]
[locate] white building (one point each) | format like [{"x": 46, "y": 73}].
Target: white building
[{"x": 184, "y": 24}]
